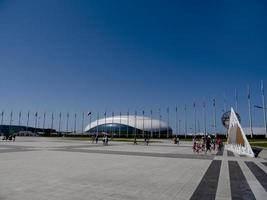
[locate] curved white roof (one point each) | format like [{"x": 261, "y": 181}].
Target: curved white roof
[{"x": 124, "y": 120}]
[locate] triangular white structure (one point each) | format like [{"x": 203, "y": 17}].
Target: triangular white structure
[{"x": 237, "y": 140}]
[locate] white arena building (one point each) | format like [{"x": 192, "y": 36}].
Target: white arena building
[{"x": 130, "y": 126}]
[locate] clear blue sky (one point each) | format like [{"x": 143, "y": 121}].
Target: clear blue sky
[{"x": 75, "y": 56}]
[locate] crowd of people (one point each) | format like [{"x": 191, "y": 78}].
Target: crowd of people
[
  {"x": 95, "y": 139},
  {"x": 9, "y": 138},
  {"x": 206, "y": 143}
]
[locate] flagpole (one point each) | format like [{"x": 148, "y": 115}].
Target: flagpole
[
  {"x": 112, "y": 124},
  {"x": 195, "y": 117},
  {"x": 105, "y": 114},
  {"x": 44, "y": 122},
  {"x": 59, "y": 123},
  {"x": 168, "y": 116},
  {"x": 185, "y": 121},
  {"x": 205, "y": 120},
  {"x": 2, "y": 120},
  {"x": 67, "y": 128},
  {"x": 135, "y": 126},
  {"x": 82, "y": 123},
  {"x": 151, "y": 131},
  {"x": 159, "y": 121},
  {"x": 97, "y": 123},
  {"x": 120, "y": 126},
  {"x": 19, "y": 117},
  {"x": 36, "y": 114},
  {"x": 128, "y": 124},
  {"x": 264, "y": 108},
  {"x": 28, "y": 116},
  {"x": 249, "y": 113},
  {"x": 143, "y": 131},
  {"x": 176, "y": 120},
  {"x": 10, "y": 123},
  {"x": 52, "y": 122},
  {"x": 75, "y": 120},
  {"x": 214, "y": 107}
]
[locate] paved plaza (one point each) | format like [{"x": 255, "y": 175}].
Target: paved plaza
[{"x": 56, "y": 168}]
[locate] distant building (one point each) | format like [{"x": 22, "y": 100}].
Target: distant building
[
  {"x": 24, "y": 131},
  {"x": 129, "y": 126},
  {"x": 256, "y": 131}
]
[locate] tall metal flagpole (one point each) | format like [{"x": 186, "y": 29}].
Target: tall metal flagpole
[
  {"x": 2, "y": 120},
  {"x": 159, "y": 122},
  {"x": 120, "y": 126},
  {"x": 135, "y": 113},
  {"x": 97, "y": 121},
  {"x": 44, "y": 122},
  {"x": 28, "y": 116},
  {"x": 179, "y": 127},
  {"x": 185, "y": 121},
  {"x": 105, "y": 115},
  {"x": 176, "y": 120},
  {"x": 151, "y": 125},
  {"x": 75, "y": 120},
  {"x": 59, "y": 123},
  {"x": 82, "y": 123},
  {"x": 2, "y": 117},
  {"x": 128, "y": 124},
  {"x": 249, "y": 113},
  {"x": 195, "y": 117},
  {"x": 112, "y": 124},
  {"x": 143, "y": 131},
  {"x": 168, "y": 116},
  {"x": 204, "y": 118},
  {"x": 214, "y": 107},
  {"x": 67, "y": 128},
  {"x": 236, "y": 101},
  {"x": 19, "y": 117},
  {"x": 10, "y": 123},
  {"x": 264, "y": 108},
  {"x": 52, "y": 122},
  {"x": 36, "y": 115}
]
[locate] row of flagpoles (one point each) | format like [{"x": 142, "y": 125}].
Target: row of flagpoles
[{"x": 177, "y": 121}]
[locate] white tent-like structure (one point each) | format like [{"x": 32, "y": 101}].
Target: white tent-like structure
[{"x": 237, "y": 140}]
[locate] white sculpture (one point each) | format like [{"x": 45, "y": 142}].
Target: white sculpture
[{"x": 237, "y": 140}]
